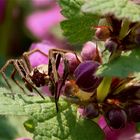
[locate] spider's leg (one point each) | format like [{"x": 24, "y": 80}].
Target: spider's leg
[
  {"x": 30, "y": 84},
  {"x": 55, "y": 96},
  {"x": 58, "y": 59},
  {"x": 27, "y": 54},
  {"x": 64, "y": 77},
  {"x": 52, "y": 65},
  {"x": 16, "y": 82},
  {"x": 2, "y": 71},
  {"x": 6, "y": 80},
  {"x": 21, "y": 70}
]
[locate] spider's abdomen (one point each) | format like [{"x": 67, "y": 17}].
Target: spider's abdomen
[{"x": 38, "y": 78}]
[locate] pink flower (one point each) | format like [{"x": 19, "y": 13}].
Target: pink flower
[
  {"x": 39, "y": 23},
  {"x": 125, "y": 133},
  {"x": 90, "y": 51},
  {"x": 37, "y": 58}
]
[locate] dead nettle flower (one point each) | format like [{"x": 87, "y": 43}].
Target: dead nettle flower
[
  {"x": 117, "y": 134},
  {"x": 73, "y": 60},
  {"x": 116, "y": 118},
  {"x": 85, "y": 75},
  {"x": 90, "y": 51},
  {"x": 40, "y": 22},
  {"x": 90, "y": 111}
]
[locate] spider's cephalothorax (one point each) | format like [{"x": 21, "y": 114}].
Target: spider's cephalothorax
[{"x": 38, "y": 77}]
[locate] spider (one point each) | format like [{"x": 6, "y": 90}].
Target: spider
[{"x": 42, "y": 75}]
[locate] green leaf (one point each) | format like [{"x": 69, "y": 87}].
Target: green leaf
[
  {"x": 71, "y": 8},
  {"x": 7, "y": 130},
  {"x": 64, "y": 125},
  {"x": 127, "y": 63},
  {"x": 44, "y": 122},
  {"x": 79, "y": 30},
  {"x": 120, "y": 8}
]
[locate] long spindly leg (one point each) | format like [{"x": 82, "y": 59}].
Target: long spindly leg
[
  {"x": 15, "y": 81},
  {"x": 26, "y": 57},
  {"x": 19, "y": 67},
  {"x": 55, "y": 56},
  {"x": 64, "y": 77},
  {"x": 52, "y": 66},
  {"x": 30, "y": 84},
  {"x": 52, "y": 72},
  {"x": 2, "y": 72}
]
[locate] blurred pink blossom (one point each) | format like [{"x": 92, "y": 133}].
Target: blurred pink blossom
[
  {"x": 37, "y": 58},
  {"x": 42, "y": 3},
  {"x": 23, "y": 139},
  {"x": 117, "y": 134},
  {"x": 39, "y": 23}
]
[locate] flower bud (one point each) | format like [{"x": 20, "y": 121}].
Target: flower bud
[
  {"x": 85, "y": 76},
  {"x": 90, "y": 52},
  {"x": 116, "y": 118},
  {"x": 111, "y": 45},
  {"x": 90, "y": 111},
  {"x": 134, "y": 112},
  {"x": 102, "y": 33},
  {"x": 73, "y": 61}
]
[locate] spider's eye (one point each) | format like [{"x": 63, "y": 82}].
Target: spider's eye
[
  {"x": 85, "y": 76},
  {"x": 116, "y": 118}
]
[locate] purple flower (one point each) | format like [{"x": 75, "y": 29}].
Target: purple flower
[
  {"x": 73, "y": 61},
  {"x": 90, "y": 111},
  {"x": 85, "y": 75},
  {"x": 116, "y": 118},
  {"x": 117, "y": 134},
  {"x": 2, "y": 10},
  {"x": 39, "y": 23},
  {"x": 90, "y": 51}
]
